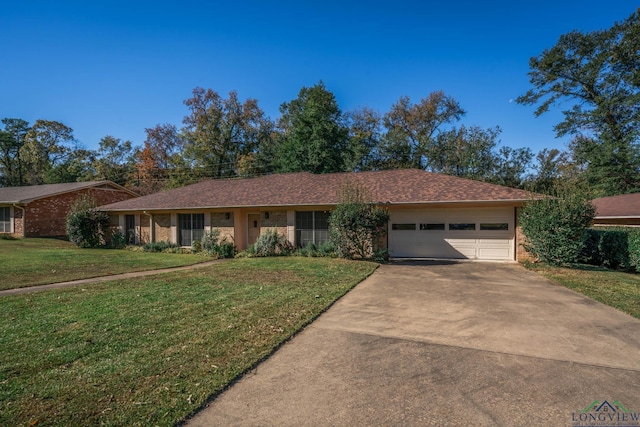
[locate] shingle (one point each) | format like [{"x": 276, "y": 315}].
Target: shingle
[
  {"x": 32, "y": 192},
  {"x": 401, "y": 186},
  {"x": 624, "y": 205}
]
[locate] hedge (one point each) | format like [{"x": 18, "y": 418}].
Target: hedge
[{"x": 612, "y": 247}]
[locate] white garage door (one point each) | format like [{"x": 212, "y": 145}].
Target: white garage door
[{"x": 483, "y": 233}]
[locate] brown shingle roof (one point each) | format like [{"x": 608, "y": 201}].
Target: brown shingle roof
[
  {"x": 624, "y": 205},
  {"x": 306, "y": 189},
  {"x": 30, "y": 193}
]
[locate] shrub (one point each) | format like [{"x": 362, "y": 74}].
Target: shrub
[
  {"x": 555, "y": 227},
  {"x": 325, "y": 249},
  {"x": 270, "y": 243},
  {"x": 118, "y": 240},
  {"x": 159, "y": 246},
  {"x": 615, "y": 247},
  {"x": 634, "y": 248},
  {"x": 211, "y": 244},
  {"x": 86, "y": 225},
  {"x": 356, "y": 224}
]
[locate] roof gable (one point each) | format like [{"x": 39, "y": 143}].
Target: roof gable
[
  {"x": 29, "y": 193},
  {"x": 403, "y": 186}
]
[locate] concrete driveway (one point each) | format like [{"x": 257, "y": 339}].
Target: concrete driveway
[{"x": 445, "y": 343}]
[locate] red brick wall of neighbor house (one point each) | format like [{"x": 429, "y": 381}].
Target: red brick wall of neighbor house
[
  {"x": 47, "y": 217},
  {"x": 18, "y": 223}
]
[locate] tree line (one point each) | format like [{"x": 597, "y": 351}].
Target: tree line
[{"x": 596, "y": 74}]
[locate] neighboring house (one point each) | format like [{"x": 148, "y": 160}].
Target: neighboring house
[
  {"x": 618, "y": 210},
  {"x": 432, "y": 215},
  {"x": 41, "y": 210}
]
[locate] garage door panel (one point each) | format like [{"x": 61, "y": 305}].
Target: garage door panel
[{"x": 489, "y": 239}]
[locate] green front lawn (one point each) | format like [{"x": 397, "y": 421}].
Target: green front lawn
[
  {"x": 615, "y": 288},
  {"x": 29, "y": 262},
  {"x": 151, "y": 351}
]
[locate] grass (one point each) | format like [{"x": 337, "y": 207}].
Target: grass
[
  {"x": 151, "y": 351},
  {"x": 30, "y": 262},
  {"x": 615, "y": 288}
]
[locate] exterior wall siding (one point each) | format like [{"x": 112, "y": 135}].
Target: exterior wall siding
[{"x": 47, "y": 217}]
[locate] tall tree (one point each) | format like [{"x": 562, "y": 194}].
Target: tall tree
[
  {"x": 413, "y": 128},
  {"x": 313, "y": 134},
  {"x": 510, "y": 166},
  {"x": 219, "y": 132},
  {"x": 11, "y": 140},
  {"x": 159, "y": 164},
  {"x": 464, "y": 152},
  {"x": 46, "y": 145},
  {"x": 598, "y": 73},
  {"x": 114, "y": 160},
  {"x": 365, "y": 135}
]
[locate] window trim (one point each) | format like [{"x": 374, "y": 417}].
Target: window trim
[
  {"x": 316, "y": 239},
  {"x": 9, "y": 220},
  {"x": 191, "y": 229}
]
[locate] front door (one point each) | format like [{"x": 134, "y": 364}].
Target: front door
[
  {"x": 254, "y": 228},
  {"x": 130, "y": 229}
]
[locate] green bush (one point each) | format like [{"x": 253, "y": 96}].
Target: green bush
[
  {"x": 211, "y": 244},
  {"x": 270, "y": 243},
  {"x": 118, "y": 240},
  {"x": 325, "y": 249},
  {"x": 356, "y": 224},
  {"x": 634, "y": 248},
  {"x": 612, "y": 247},
  {"x": 86, "y": 225},
  {"x": 555, "y": 227},
  {"x": 159, "y": 246}
]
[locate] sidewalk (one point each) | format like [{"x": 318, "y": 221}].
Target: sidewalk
[{"x": 104, "y": 278}]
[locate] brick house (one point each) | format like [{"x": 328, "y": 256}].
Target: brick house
[
  {"x": 432, "y": 215},
  {"x": 41, "y": 210}
]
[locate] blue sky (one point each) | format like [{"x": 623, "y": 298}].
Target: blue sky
[{"x": 118, "y": 67}]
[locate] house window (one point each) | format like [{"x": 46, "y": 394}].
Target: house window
[
  {"x": 312, "y": 227},
  {"x": 5, "y": 219},
  {"x": 462, "y": 227},
  {"x": 431, "y": 227},
  {"x": 494, "y": 226},
  {"x": 403, "y": 226},
  {"x": 130, "y": 228},
  {"x": 191, "y": 227}
]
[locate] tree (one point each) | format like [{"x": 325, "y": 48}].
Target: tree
[
  {"x": 313, "y": 136},
  {"x": 219, "y": 132},
  {"x": 160, "y": 165},
  {"x": 114, "y": 160},
  {"x": 599, "y": 74},
  {"x": 552, "y": 166},
  {"x": 510, "y": 166},
  {"x": 555, "y": 227},
  {"x": 464, "y": 152},
  {"x": 356, "y": 224},
  {"x": 11, "y": 141},
  {"x": 46, "y": 145},
  {"x": 412, "y": 129},
  {"x": 365, "y": 134}
]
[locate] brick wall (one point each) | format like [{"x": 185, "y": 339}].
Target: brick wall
[
  {"x": 18, "y": 222},
  {"x": 522, "y": 254},
  {"x": 162, "y": 227},
  {"x": 47, "y": 216},
  {"x": 277, "y": 220}
]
